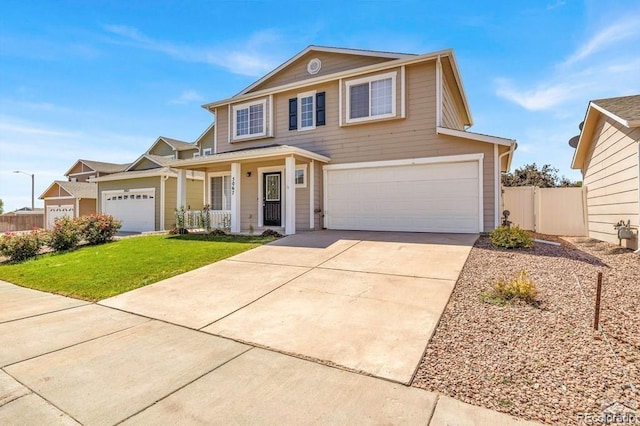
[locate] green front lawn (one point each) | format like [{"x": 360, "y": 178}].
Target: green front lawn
[{"x": 97, "y": 272}]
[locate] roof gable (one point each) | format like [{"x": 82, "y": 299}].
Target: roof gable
[
  {"x": 63, "y": 188},
  {"x": 90, "y": 166},
  {"x": 146, "y": 162},
  {"x": 332, "y": 60}
]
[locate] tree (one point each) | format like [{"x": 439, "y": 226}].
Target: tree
[
  {"x": 1, "y": 206},
  {"x": 531, "y": 175}
]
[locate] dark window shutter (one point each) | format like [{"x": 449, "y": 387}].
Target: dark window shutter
[
  {"x": 293, "y": 113},
  {"x": 320, "y": 115}
]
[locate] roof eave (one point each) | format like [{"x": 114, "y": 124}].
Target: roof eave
[
  {"x": 335, "y": 76},
  {"x": 210, "y": 159}
]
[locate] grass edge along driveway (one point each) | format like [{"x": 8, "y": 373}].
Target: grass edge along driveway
[{"x": 93, "y": 273}]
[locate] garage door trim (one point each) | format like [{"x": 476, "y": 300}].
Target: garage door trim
[{"x": 477, "y": 157}]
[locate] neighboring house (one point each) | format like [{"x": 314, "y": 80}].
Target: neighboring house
[
  {"x": 77, "y": 196},
  {"x": 143, "y": 196},
  {"x": 608, "y": 154},
  {"x": 351, "y": 139}
]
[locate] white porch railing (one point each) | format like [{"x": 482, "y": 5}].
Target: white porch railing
[{"x": 207, "y": 219}]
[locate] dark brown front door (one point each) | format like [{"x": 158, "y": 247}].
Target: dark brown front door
[{"x": 271, "y": 200}]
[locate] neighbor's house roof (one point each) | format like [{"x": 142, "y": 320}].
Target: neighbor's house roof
[
  {"x": 176, "y": 144},
  {"x": 137, "y": 174},
  {"x": 75, "y": 189},
  {"x": 396, "y": 60},
  {"x": 624, "y": 110},
  {"x": 99, "y": 166},
  {"x": 157, "y": 159}
]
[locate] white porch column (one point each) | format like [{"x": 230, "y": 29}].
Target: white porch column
[
  {"x": 290, "y": 196},
  {"x": 206, "y": 189},
  {"x": 235, "y": 197},
  {"x": 181, "y": 189}
]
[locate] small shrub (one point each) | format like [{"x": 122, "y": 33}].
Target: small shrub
[
  {"x": 218, "y": 232},
  {"x": 98, "y": 228},
  {"x": 65, "y": 234},
  {"x": 519, "y": 287},
  {"x": 271, "y": 233},
  {"x": 20, "y": 247},
  {"x": 510, "y": 237}
]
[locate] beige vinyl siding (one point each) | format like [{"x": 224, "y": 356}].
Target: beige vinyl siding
[
  {"x": 206, "y": 141},
  {"x": 319, "y": 197},
  {"x": 161, "y": 148},
  {"x": 195, "y": 193},
  {"x": 171, "y": 202},
  {"x": 450, "y": 114},
  {"x": 611, "y": 178},
  {"x": 147, "y": 182},
  {"x": 87, "y": 206},
  {"x": 412, "y": 137},
  {"x": 57, "y": 191},
  {"x": 331, "y": 63},
  {"x": 302, "y": 203}
]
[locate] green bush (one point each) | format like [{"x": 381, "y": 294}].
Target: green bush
[
  {"x": 98, "y": 228},
  {"x": 23, "y": 246},
  {"x": 65, "y": 234},
  {"x": 510, "y": 237}
]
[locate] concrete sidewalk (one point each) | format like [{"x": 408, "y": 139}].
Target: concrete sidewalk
[{"x": 65, "y": 362}]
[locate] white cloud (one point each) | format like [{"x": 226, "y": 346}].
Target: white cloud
[
  {"x": 245, "y": 58},
  {"x": 557, "y": 4},
  {"x": 612, "y": 72},
  {"x": 187, "y": 97},
  {"x": 613, "y": 34}
]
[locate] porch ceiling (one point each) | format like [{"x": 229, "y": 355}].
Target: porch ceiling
[{"x": 252, "y": 154}]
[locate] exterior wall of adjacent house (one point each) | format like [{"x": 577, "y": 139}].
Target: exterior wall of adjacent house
[
  {"x": 145, "y": 164},
  {"x": 194, "y": 199},
  {"x": 162, "y": 149},
  {"x": 206, "y": 140},
  {"x": 450, "y": 108},
  {"x": 71, "y": 201},
  {"x": 146, "y": 182},
  {"x": 399, "y": 138},
  {"x": 331, "y": 63},
  {"x": 81, "y": 172},
  {"x": 87, "y": 206},
  {"x": 186, "y": 153},
  {"x": 611, "y": 177}
]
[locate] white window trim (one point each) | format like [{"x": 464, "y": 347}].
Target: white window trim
[
  {"x": 207, "y": 151},
  {"x": 302, "y": 167},
  {"x": 393, "y": 75},
  {"x": 311, "y": 94},
  {"x": 217, "y": 174},
  {"x": 234, "y": 116},
  {"x": 196, "y": 154}
]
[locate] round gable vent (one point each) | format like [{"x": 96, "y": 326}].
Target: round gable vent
[{"x": 314, "y": 65}]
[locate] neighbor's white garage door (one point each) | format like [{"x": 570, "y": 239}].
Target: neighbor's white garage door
[
  {"x": 136, "y": 209},
  {"x": 440, "y": 197},
  {"x": 54, "y": 212}
]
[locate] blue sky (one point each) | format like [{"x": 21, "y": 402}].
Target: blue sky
[{"x": 101, "y": 79}]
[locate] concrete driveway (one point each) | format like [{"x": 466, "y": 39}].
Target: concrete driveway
[
  {"x": 69, "y": 362},
  {"x": 366, "y": 301}
]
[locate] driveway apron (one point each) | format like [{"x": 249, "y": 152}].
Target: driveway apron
[{"x": 365, "y": 301}]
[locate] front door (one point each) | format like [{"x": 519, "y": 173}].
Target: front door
[{"x": 271, "y": 199}]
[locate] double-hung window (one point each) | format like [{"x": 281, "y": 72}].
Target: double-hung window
[
  {"x": 307, "y": 110},
  {"x": 221, "y": 192},
  {"x": 371, "y": 98},
  {"x": 249, "y": 120}
]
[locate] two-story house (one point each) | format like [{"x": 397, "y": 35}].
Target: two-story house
[
  {"x": 355, "y": 140},
  {"x": 76, "y": 196}
]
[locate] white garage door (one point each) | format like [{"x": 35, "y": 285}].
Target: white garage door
[
  {"x": 54, "y": 212},
  {"x": 435, "y": 197},
  {"x": 135, "y": 208}
]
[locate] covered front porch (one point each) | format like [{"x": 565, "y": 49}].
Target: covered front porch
[{"x": 277, "y": 187}]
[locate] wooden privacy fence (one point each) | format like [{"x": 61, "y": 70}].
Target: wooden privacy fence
[
  {"x": 21, "y": 222},
  {"x": 552, "y": 211}
]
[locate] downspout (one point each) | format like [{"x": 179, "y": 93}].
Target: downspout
[
  {"x": 499, "y": 179},
  {"x": 163, "y": 179}
]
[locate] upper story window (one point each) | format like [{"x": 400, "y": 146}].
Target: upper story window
[
  {"x": 249, "y": 120},
  {"x": 371, "y": 98},
  {"x": 307, "y": 111}
]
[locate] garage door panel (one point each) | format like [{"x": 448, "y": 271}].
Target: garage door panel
[
  {"x": 55, "y": 212},
  {"x": 422, "y": 198},
  {"x": 135, "y": 209}
]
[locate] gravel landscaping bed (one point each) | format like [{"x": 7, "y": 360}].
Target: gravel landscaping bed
[{"x": 542, "y": 361}]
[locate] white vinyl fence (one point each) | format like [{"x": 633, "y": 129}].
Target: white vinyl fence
[{"x": 552, "y": 211}]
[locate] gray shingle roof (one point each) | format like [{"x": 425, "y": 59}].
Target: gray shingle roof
[
  {"x": 179, "y": 145},
  {"x": 79, "y": 189},
  {"x": 101, "y": 167},
  {"x": 625, "y": 107},
  {"x": 163, "y": 161}
]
